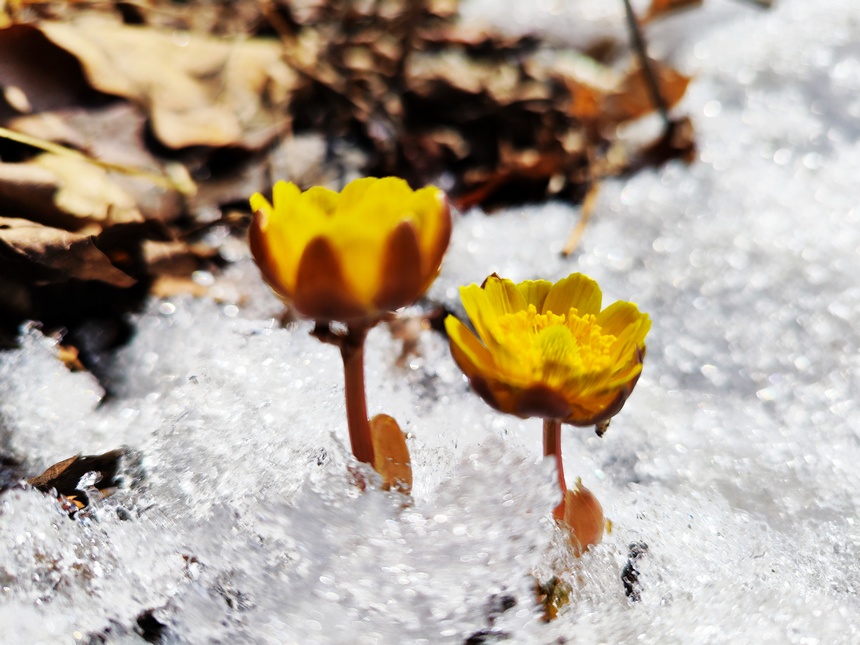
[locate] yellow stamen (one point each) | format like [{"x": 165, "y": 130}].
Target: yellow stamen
[{"x": 557, "y": 346}]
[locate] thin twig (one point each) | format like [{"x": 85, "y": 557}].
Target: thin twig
[
  {"x": 588, "y": 206},
  {"x": 650, "y": 78}
]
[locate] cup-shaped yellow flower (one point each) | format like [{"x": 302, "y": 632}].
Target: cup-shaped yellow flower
[
  {"x": 549, "y": 350},
  {"x": 354, "y": 255}
]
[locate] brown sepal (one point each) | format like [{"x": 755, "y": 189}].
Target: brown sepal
[
  {"x": 322, "y": 292},
  {"x": 536, "y": 401},
  {"x": 433, "y": 257},
  {"x": 262, "y": 252},
  {"x": 401, "y": 269},
  {"x": 602, "y": 417}
]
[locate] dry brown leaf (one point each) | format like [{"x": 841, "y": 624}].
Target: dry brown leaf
[
  {"x": 197, "y": 89},
  {"x": 632, "y": 99},
  {"x": 66, "y": 192},
  {"x": 168, "y": 286},
  {"x": 609, "y": 100},
  {"x": 44, "y": 76},
  {"x": 49, "y": 254},
  {"x": 64, "y": 476},
  {"x": 660, "y": 8},
  {"x": 174, "y": 258},
  {"x": 113, "y": 135},
  {"x": 456, "y": 70}
]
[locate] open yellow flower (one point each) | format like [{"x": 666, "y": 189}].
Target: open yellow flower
[
  {"x": 548, "y": 350},
  {"x": 354, "y": 255}
]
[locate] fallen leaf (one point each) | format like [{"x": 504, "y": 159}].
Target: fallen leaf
[
  {"x": 198, "y": 90},
  {"x": 44, "y": 75},
  {"x": 113, "y": 135},
  {"x": 48, "y": 254},
  {"x": 660, "y": 8},
  {"x": 632, "y": 99},
  {"x": 64, "y": 477}
]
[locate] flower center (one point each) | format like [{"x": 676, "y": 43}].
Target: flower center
[{"x": 555, "y": 344}]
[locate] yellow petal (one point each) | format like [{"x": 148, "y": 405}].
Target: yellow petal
[
  {"x": 618, "y": 316},
  {"x": 475, "y": 302},
  {"x": 353, "y": 193},
  {"x": 359, "y": 227},
  {"x": 535, "y": 292},
  {"x": 270, "y": 267},
  {"x": 472, "y": 357},
  {"x": 577, "y": 291},
  {"x": 503, "y": 297},
  {"x": 286, "y": 241},
  {"x": 433, "y": 221},
  {"x": 285, "y": 194},
  {"x": 633, "y": 369},
  {"x": 260, "y": 204},
  {"x": 322, "y": 200}
]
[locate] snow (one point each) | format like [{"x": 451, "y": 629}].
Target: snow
[{"x": 734, "y": 460}]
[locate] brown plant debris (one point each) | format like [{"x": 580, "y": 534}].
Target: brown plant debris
[
  {"x": 125, "y": 125},
  {"x": 65, "y": 476}
]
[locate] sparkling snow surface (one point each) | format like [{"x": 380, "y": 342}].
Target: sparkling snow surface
[{"x": 735, "y": 460}]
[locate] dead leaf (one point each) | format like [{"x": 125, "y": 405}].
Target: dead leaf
[
  {"x": 607, "y": 100},
  {"x": 66, "y": 192},
  {"x": 198, "y": 90},
  {"x": 660, "y": 8},
  {"x": 632, "y": 99},
  {"x": 169, "y": 286},
  {"x": 48, "y": 254},
  {"x": 64, "y": 476},
  {"x": 44, "y": 76},
  {"x": 114, "y": 137},
  {"x": 407, "y": 329}
]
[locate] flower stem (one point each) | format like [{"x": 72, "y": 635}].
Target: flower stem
[
  {"x": 352, "y": 352},
  {"x": 552, "y": 448}
]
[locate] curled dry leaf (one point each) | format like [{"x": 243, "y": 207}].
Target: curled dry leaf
[
  {"x": 660, "y": 8},
  {"x": 64, "y": 477},
  {"x": 65, "y": 191},
  {"x": 46, "y": 254},
  {"x": 198, "y": 90},
  {"x": 44, "y": 77},
  {"x": 114, "y": 135}
]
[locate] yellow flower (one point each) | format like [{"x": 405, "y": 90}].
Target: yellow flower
[
  {"x": 547, "y": 350},
  {"x": 354, "y": 255}
]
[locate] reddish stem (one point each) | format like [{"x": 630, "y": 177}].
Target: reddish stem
[
  {"x": 552, "y": 448},
  {"x": 352, "y": 352}
]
